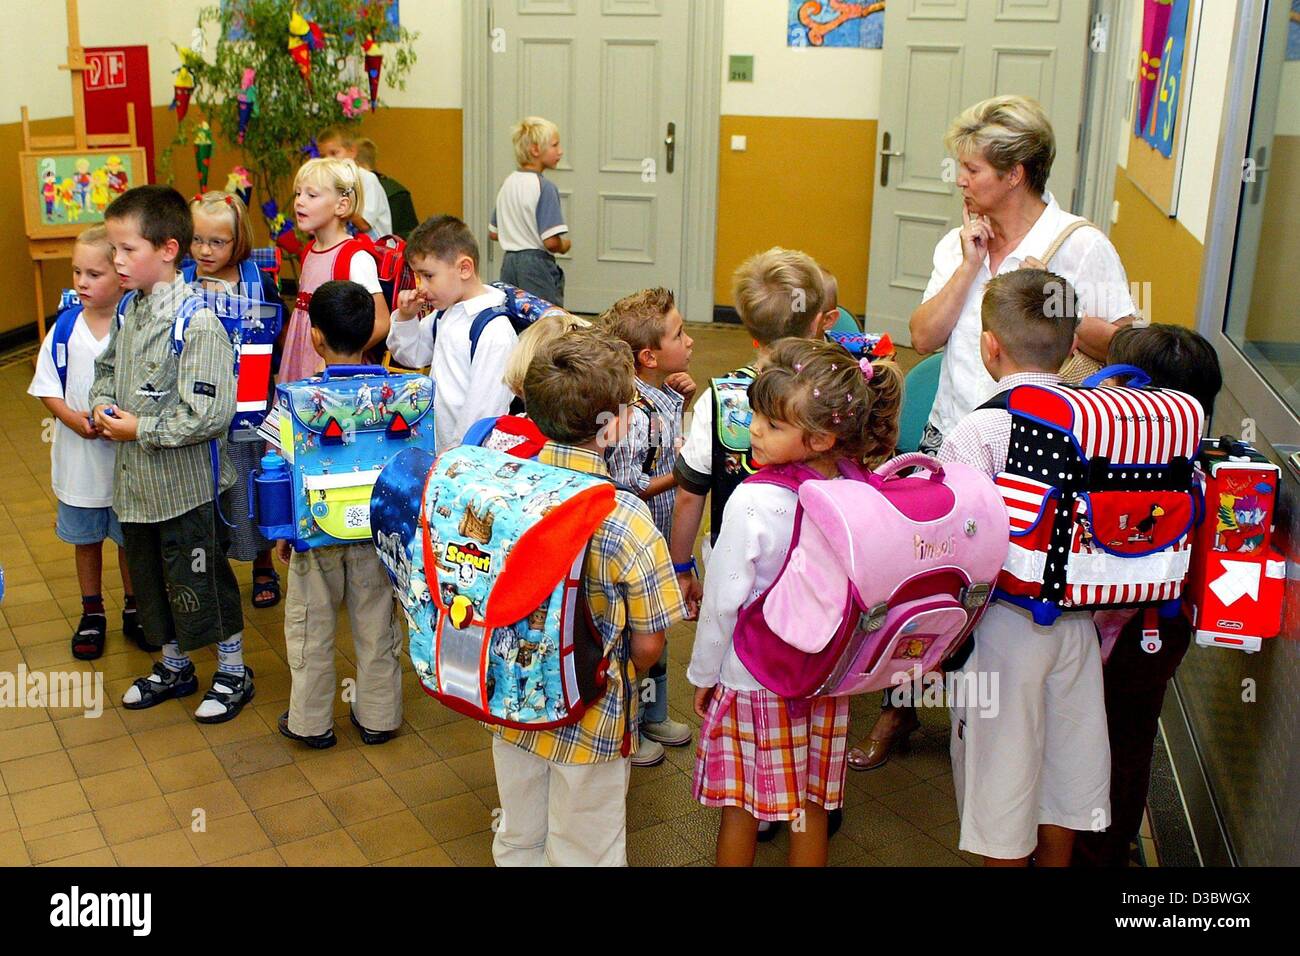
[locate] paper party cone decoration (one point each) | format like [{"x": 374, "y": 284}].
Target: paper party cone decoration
[
  {"x": 247, "y": 102},
  {"x": 374, "y": 66},
  {"x": 182, "y": 90},
  {"x": 240, "y": 182},
  {"x": 203, "y": 154},
  {"x": 281, "y": 229}
]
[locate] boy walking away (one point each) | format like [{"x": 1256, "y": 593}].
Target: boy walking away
[
  {"x": 467, "y": 363},
  {"x": 564, "y": 791},
  {"x": 650, "y": 323},
  {"x": 400, "y": 205},
  {"x": 81, "y": 466},
  {"x": 1036, "y": 769},
  {"x": 342, "y": 321},
  {"x": 527, "y": 219},
  {"x": 374, "y": 218},
  {"x": 164, "y": 390}
]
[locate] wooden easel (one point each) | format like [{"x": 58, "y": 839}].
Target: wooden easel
[{"x": 44, "y": 249}]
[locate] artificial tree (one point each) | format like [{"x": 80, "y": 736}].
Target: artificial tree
[{"x": 290, "y": 107}]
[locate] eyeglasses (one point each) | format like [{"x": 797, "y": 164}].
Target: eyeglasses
[{"x": 216, "y": 245}]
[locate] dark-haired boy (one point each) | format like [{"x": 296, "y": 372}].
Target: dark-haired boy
[
  {"x": 342, "y": 320},
  {"x": 444, "y": 256},
  {"x": 564, "y": 791},
  {"x": 168, "y": 405},
  {"x": 1032, "y": 767}
]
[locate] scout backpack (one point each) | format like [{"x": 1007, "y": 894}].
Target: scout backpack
[
  {"x": 1100, "y": 491},
  {"x": 840, "y": 620},
  {"x": 486, "y": 551},
  {"x": 337, "y": 431}
]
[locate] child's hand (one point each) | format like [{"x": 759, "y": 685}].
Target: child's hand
[
  {"x": 702, "y": 697},
  {"x": 410, "y": 303},
  {"x": 682, "y": 384},
  {"x": 692, "y": 592},
  {"x": 84, "y": 426},
  {"x": 283, "y": 551},
  {"x": 119, "y": 426}
]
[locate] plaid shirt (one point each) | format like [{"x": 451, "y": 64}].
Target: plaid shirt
[
  {"x": 982, "y": 438},
  {"x": 655, "y": 437},
  {"x": 630, "y": 585},
  {"x": 182, "y": 403}
]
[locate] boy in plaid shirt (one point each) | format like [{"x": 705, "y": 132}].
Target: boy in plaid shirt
[
  {"x": 649, "y": 322},
  {"x": 564, "y": 791},
  {"x": 1035, "y": 769}
]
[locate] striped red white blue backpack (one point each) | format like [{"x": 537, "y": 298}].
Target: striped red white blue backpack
[{"x": 1101, "y": 492}]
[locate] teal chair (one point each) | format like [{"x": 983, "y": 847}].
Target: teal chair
[
  {"x": 919, "y": 389},
  {"x": 846, "y": 322}
]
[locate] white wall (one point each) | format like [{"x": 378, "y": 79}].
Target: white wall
[
  {"x": 790, "y": 81},
  {"x": 34, "y": 42}
]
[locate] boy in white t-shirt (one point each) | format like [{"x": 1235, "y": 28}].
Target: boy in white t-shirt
[
  {"x": 527, "y": 219},
  {"x": 375, "y": 218},
  {"x": 81, "y": 465},
  {"x": 468, "y": 370}
]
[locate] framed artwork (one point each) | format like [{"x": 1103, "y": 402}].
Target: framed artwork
[
  {"x": 65, "y": 190},
  {"x": 831, "y": 23}
]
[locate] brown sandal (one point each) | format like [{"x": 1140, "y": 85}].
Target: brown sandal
[{"x": 876, "y": 754}]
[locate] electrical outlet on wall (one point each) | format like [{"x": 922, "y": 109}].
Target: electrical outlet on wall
[
  {"x": 1114, "y": 212},
  {"x": 739, "y": 144}
]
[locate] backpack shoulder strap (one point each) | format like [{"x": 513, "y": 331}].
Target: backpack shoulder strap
[
  {"x": 62, "y": 333},
  {"x": 789, "y": 477},
  {"x": 343, "y": 261},
  {"x": 189, "y": 270},
  {"x": 481, "y": 322},
  {"x": 1000, "y": 401},
  {"x": 478, "y": 432},
  {"x": 189, "y": 306},
  {"x": 1059, "y": 241},
  {"x": 250, "y": 280}
]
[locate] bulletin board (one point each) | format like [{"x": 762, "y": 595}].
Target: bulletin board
[{"x": 1155, "y": 174}]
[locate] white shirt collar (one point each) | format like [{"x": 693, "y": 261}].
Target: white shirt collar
[
  {"x": 485, "y": 300},
  {"x": 1038, "y": 238}
]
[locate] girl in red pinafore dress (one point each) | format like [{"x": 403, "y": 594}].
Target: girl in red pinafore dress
[{"x": 326, "y": 194}]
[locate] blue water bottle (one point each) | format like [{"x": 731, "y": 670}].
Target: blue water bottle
[{"x": 274, "y": 497}]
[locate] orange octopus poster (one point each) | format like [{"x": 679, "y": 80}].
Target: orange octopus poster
[{"x": 836, "y": 23}]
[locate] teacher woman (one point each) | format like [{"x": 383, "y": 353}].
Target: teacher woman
[{"x": 1004, "y": 149}]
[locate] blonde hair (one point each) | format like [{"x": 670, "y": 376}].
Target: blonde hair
[
  {"x": 821, "y": 389},
  {"x": 340, "y": 175},
  {"x": 640, "y": 319},
  {"x": 532, "y": 131},
  {"x": 536, "y": 337},
  {"x": 576, "y": 382},
  {"x": 219, "y": 202},
  {"x": 1007, "y": 131},
  {"x": 778, "y": 294},
  {"x": 96, "y": 237},
  {"x": 367, "y": 153}
]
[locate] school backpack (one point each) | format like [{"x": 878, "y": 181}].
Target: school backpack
[
  {"x": 337, "y": 432},
  {"x": 1100, "y": 491},
  {"x": 486, "y": 552},
  {"x": 61, "y": 333},
  {"x": 729, "y": 448},
  {"x": 516, "y": 435},
  {"x": 863, "y": 344},
  {"x": 838, "y": 619},
  {"x": 520, "y": 307},
  {"x": 389, "y": 254},
  {"x": 267, "y": 259}
]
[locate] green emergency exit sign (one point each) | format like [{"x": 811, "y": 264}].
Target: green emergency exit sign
[{"x": 741, "y": 69}]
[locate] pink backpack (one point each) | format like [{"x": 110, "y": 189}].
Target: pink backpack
[{"x": 885, "y": 577}]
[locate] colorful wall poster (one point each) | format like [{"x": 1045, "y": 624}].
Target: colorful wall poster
[
  {"x": 1156, "y": 125},
  {"x": 836, "y": 23}
]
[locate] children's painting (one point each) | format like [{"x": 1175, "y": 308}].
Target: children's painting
[
  {"x": 1160, "y": 73},
  {"x": 66, "y": 190},
  {"x": 836, "y": 23}
]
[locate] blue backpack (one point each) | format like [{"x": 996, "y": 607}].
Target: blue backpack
[
  {"x": 69, "y": 312},
  {"x": 520, "y": 307}
]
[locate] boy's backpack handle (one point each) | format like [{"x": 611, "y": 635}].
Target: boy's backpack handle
[
  {"x": 1136, "y": 377},
  {"x": 911, "y": 460},
  {"x": 343, "y": 371}
]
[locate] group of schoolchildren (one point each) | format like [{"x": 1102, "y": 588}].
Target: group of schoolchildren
[{"x": 144, "y": 394}]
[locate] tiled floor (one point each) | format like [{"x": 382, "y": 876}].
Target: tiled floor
[{"x": 154, "y": 787}]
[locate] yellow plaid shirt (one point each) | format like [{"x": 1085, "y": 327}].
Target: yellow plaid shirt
[{"x": 630, "y": 586}]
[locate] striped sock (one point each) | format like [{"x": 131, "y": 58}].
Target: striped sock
[
  {"x": 230, "y": 655},
  {"x": 174, "y": 659}
]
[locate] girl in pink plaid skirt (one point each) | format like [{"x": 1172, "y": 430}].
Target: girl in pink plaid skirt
[{"x": 761, "y": 757}]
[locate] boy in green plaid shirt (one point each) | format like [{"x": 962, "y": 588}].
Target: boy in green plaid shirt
[
  {"x": 169, "y": 409},
  {"x": 564, "y": 791}
]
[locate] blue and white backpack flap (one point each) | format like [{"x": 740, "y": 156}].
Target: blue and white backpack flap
[{"x": 337, "y": 432}]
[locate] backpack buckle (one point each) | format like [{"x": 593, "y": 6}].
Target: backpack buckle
[
  {"x": 975, "y": 596},
  {"x": 873, "y": 619}
]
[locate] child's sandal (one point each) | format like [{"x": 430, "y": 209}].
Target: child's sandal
[
  {"x": 266, "y": 580},
  {"x": 88, "y": 639},
  {"x": 169, "y": 684}
]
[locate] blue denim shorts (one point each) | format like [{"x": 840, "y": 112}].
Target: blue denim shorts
[{"x": 87, "y": 525}]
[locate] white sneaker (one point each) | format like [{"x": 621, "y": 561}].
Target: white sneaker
[
  {"x": 649, "y": 753},
  {"x": 671, "y": 733}
]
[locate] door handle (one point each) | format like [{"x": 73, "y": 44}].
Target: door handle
[
  {"x": 670, "y": 141},
  {"x": 1261, "y": 167},
  {"x": 885, "y": 153}
]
